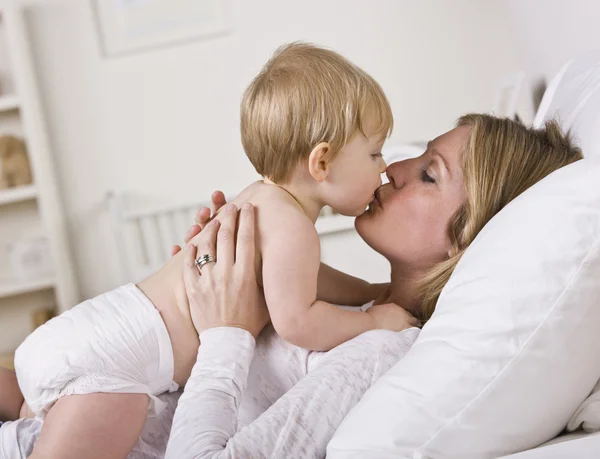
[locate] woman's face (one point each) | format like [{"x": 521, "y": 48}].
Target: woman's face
[{"x": 408, "y": 220}]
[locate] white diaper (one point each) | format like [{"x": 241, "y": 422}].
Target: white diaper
[{"x": 114, "y": 343}]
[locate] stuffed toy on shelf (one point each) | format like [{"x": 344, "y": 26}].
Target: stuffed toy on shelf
[{"x": 14, "y": 163}]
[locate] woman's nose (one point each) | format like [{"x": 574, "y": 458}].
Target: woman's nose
[
  {"x": 394, "y": 173},
  {"x": 390, "y": 173}
]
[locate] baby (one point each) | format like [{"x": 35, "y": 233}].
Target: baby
[{"x": 313, "y": 126}]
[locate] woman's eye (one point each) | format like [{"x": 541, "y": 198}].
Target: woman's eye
[
  {"x": 425, "y": 177},
  {"x": 377, "y": 155}
]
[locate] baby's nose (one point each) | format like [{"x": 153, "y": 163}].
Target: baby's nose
[{"x": 382, "y": 166}]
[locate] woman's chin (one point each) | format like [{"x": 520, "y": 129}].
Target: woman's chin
[
  {"x": 367, "y": 228},
  {"x": 357, "y": 212},
  {"x": 370, "y": 210},
  {"x": 367, "y": 215}
]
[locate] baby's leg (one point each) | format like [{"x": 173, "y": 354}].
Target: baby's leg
[
  {"x": 94, "y": 426},
  {"x": 11, "y": 397}
]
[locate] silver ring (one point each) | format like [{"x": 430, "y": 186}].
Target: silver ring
[{"x": 204, "y": 259}]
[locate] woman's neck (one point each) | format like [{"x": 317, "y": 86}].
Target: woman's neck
[{"x": 403, "y": 288}]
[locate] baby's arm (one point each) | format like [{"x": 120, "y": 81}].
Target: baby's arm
[
  {"x": 290, "y": 256},
  {"x": 337, "y": 287},
  {"x": 11, "y": 398}
]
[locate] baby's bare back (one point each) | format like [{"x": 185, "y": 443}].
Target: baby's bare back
[
  {"x": 166, "y": 290},
  {"x": 274, "y": 208},
  {"x": 280, "y": 223}
]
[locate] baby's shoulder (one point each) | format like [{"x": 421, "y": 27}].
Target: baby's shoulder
[
  {"x": 271, "y": 203},
  {"x": 279, "y": 215}
]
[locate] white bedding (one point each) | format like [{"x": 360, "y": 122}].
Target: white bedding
[
  {"x": 578, "y": 445},
  {"x": 153, "y": 440}
]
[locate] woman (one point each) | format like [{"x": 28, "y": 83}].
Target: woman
[
  {"x": 437, "y": 203},
  {"x": 289, "y": 401}
]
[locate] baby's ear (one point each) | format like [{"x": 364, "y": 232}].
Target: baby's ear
[{"x": 319, "y": 161}]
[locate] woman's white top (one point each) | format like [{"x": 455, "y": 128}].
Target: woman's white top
[{"x": 275, "y": 399}]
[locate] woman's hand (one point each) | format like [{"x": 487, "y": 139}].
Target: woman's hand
[
  {"x": 392, "y": 317},
  {"x": 203, "y": 216},
  {"x": 225, "y": 293}
]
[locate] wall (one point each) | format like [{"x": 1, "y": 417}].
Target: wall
[
  {"x": 165, "y": 122},
  {"x": 549, "y": 33}
]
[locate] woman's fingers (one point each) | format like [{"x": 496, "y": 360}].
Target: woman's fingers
[
  {"x": 224, "y": 294},
  {"x": 194, "y": 229},
  {"x": 176, "y": 249},
  {"x": 218, "y": 201},
  {"x": 204, "y": 214},
  {"x": 226, "y": 238},
  {"x": 202, "y": 217},
  {"x": 246, "y": 250},
  {"x": 207, "y": 242},
  {"x": 190, "y": 272}
]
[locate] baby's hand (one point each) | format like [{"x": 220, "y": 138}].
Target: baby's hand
[{"x": 392, "y": 317}]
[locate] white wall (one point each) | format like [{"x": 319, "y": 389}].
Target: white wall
[
  {"x": 165, "y": 122},
  {"x": 549, "y": 33}
]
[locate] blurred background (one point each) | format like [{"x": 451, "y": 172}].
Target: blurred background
[{"x": 128, "y": 98}]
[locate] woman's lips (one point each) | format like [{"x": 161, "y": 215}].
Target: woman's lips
[
  {"x": 377, "y": 196},
  {"x": 374, "y": 201}
]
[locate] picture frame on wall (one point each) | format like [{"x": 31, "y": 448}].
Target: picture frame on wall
[{"x": 128, "y": 26}]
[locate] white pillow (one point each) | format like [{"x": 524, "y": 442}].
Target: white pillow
[
  {"x": 512, "y": 349},
  {"x": 573, "y": 98}
]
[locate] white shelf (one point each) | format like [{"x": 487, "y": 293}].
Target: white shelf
[
  {"x": 8, "y": 103},
  {"x": 18, "y": 194},
  {"x": 14, "y": 288},
  {"x": 41, "y": 203}
]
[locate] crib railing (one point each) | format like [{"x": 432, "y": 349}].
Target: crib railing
[{"x": 145, "y": 232}]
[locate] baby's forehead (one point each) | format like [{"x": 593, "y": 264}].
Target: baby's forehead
[
  {"x": 376, "y": 138},
  {"x": 376, "y": 123}
]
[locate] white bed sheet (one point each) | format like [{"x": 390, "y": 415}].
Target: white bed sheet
[
  {"x": 578, "y": 445},
  {"x": 153, "y": 441}
]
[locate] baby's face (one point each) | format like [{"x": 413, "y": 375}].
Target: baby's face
[{"x": 355, "y": 174}]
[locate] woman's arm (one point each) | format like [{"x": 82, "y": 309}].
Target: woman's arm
[{"x": 300, "y": 423}]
